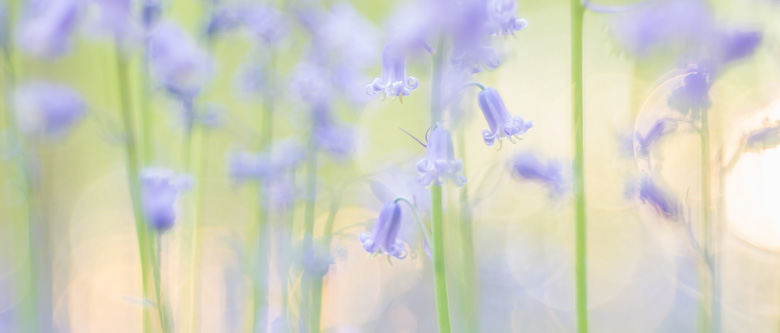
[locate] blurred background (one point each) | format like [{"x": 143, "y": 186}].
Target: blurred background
[{"x": 232, "y": 141}]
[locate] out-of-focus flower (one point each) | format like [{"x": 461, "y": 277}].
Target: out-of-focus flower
[
  {"x": 3, "y": 25},
  {"x": 224, "y": 19},
  {"x": 654, "y": 26},
  {"x": 178, "y": 63},
  {"x": 440, "y": 163},
  {"x": 47, "y": 109},
  {"x": 502, "y": 19},
  {"x": 470, "y": 50},
  {"x": 318, "y": 260},
  {"x": 151, "y": 10},
  {"x": 659, "y": 129},
  {"x": 114, "y": 17},
  {"x": 501, "y": 123},
  {"x": 311, "y": 83},
  {"x": 160, "y": 189},
  {"x": 47, "y": 26},
  {"x": 693, "y": 94},
  {"x": 248, "y": 166},
  {"x": 338, "y": 140},
  {"x": 265, "y": 23},
  {"x": 393, "y": 82},
  {"x": 664, "y": 203},
  {"x": 384, "y": 238},
  {"x": 764, "y": 138},
  {"x": 528, "y": 166},
  {"x": 730, "y": 46}
]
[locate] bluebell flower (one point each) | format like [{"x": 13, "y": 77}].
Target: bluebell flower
[
  {"x": 336, "y": 139},
  {"x": 251, "y": 166},
  {"x": 178, "y": 64},
  {"x": 224, "y": 19},
  {"x": 730, "y": 46},
  {"x": 440, "y": 163},
  {"x": 693, "y": 94},
  {"x": 528, "y": 166},
  {"x": 47, "y": 109},
  {"x": 471, "y": 50},
  {"x": 114, "y": 18},
  {"x": 664, "y": 203},
  {"x": 47, "y": 26},
  {"x": 312, "y": 84},
  {"x": 160, "y": 190},
  {"x": 393, "y": 82},
  {"x": 500, "y": 122},
  {"x": 502, "y": 19},
  {"x": 384, "y": 238},
  {"x": 151, "y": 10},
  {"x": 659, "y": 129},
  {"x": 317, "y": 261},
  {"x": 763, "y": 138},
  {"x": 266, "y": 24}
]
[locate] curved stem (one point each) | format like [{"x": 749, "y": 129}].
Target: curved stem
[
  {"x": 580, "y": 223},
  {"x": 418, "y": 219}
]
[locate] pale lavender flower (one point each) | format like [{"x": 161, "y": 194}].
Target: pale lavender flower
[
  {"x": 393, "y": 82},
  {"x": 311, "y": 83},
  {"x": 47, "y": 109},
  {"x": 114, "y": 17},
  {"x": 47, "y": 26},
  {"x": 224, "y": 19},
  {"x": 339, "y": 140},
  {"x": 764, "y": 138},
  {"x": 500, "y": 122},
  {"x": 249, "y": 166},
  {"x": 693, "y": 94},
  {"x": 178, "y": 64},
  {"x": 160, "y": 190},
  {"x": 659, "y": 129},
  {"x": 440, "y": 164},
  {"x": 265, "y": 23},
  {"x": 528, "y": 166},
  {"x": 664, "y": 203},
  {"x": 502, "y": 19},
  {"x": 730, "y": 46},
  {"x": 384, "y": 238},
  {"x": 317, "y": 261},
  {"x": 471, "y": 50},
  {"x": 151, "y": 10}
]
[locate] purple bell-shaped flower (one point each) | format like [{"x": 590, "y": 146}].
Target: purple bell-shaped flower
[
  {"x": 440, "y": 164},
  {"x": 501, "y": 123},
  {"x": 384, "y": 238}
]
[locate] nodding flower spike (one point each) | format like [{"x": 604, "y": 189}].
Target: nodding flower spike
[
  {"x": 501, "y": 123},
  {"x": 763, "y": 138},
  {"x": 47, "y": 109},
  {"x": 501, "y": 17},
  {"x": 384, "y": 238},
  {"x": 664, "y": 203},
  {"x": 179, "y": 65},
  {"x": 693, "y": 94},
  {"x": 393, "y": 82},
  {"x": 47, "y": 26},
  {"x": 440, "y": 163},
  {"x": 160, "y": 189},
  {"x": 526, "y": 165}
]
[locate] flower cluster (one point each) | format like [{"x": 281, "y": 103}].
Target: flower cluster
[{"x": 160, "y": 190}]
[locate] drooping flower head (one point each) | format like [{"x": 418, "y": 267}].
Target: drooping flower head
[
  {"x": 763, "y": 138},
  {"x": 730, "y": 46},
  {"x": 664, "y": 203},
  {"x": 266, "y": 24},
  {"x": 502, "y": 19},
  {"x": 251, "y": 166},
  {"x": 224, "y": 19},
  {"x": 160, "y": 190},
  {"x": 151, "y": 10},
  {"x": 178, "y": 64},
  {"x": 500, "y": 122},
  {"x": 693, "y": 94},
  {"x": 393, "y": 82},
  {"x": 440, "y": 163},
  {"x": 115, "y": 18},
  {"x": 47, "y": 109},
  {"x": 471, "y": 49},
  {"x": 336, "y": 139},
  {"x": 528, "y": 166},
  {"x": 47, "y": 26},
  {"x": 384, "y": 238}
]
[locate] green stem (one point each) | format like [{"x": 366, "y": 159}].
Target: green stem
[
  {"x": 308, "y": 234},
  {"x": 131, "y": 159},
  {"x": 471, "y": 278},
  {"x": 580, "y": 223},
  {"x": 708, "y": 319}
]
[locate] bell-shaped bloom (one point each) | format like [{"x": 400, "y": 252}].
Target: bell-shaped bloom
[
  {"x": 693, "y": 94},
  {"x": 502, "y": 19},
  {"x": 659, "y": 129},
  {"x": 393, "y": 82},
  {"x": 528, "y": 166},
  {"x": 500, "y": 122},
  {"x": 763, "y": 138},
  {"x": 384, "y": 238},
  {"x": 160, "y": 190},
  {"x": 114, "y": 17},
  {"x": 471, "y": 50},
  {"x": 47, "y": 109},
  {"x": 151, "y": 10},
  {"x": 730, "y": 46},
  {"x": 178, "y": 64},
  {"x": 665, "y": 204},
  {"x": 250, "y": 166},
  {"x": 440, "y": 163},
  {"x": 266, "y": 24},
  {"x": 47, "y": 26}
]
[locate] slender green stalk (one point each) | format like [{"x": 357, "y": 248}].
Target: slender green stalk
[
  {"x": 308, "y": 234},
  {"x": 131, "y": 159},
  {"x": 707, "y": 317},
  {"x": 471, "y": 275},
  {"x": 580, "y": 217},
  {"x": 316, "y": 290}
]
